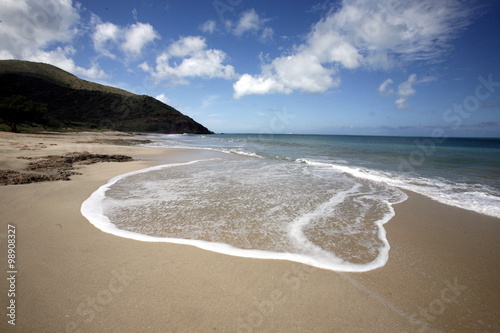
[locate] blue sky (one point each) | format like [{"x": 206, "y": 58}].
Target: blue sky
[{"x": 385, "y": 67}]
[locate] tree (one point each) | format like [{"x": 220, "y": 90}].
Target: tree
[{"x": 17, "y": 109}]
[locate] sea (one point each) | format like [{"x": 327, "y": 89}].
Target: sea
[{"x": 321, "y": 200}]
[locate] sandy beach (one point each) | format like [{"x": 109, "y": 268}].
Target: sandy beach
[{"x": 442, "y": 275}]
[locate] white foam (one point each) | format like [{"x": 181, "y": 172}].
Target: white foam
[
  {"x": 297, "y": 226},
  {"x": 165, "y": 141},
  {"x": 322, "y": 257},
  {"x": 93, "y": 210},
  {"x": 237, "y": 152},
  {"x": 466, "y": 196}
]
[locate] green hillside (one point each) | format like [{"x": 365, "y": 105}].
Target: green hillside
[{"x": 74, "y": 103}]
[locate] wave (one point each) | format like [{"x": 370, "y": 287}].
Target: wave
[
  {"x": 296, "y": 216},
  {"x": 479, "y": 198},
  {"x": 237, "y": 152},
  {"x": 474, "y": 197}
]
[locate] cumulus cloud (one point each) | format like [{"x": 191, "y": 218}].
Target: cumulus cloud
[
  {"x": 284, "y": 75},
  {"x": 196, "y": 60},
  {"x": 131, "y": 39},
  {"x": 187, "y": 46},
  {"x": 104, "y": 35},
  {"x": 137, "y": 36},
  {"x": 30, "y": 28},
  {"x": 363, "y": 34}
]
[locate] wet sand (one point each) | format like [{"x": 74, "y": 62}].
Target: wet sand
[{"x": 442, "y": 274}]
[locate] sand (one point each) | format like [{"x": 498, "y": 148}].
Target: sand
[{"x": 442, "y": 274}]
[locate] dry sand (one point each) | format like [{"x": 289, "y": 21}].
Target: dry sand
[{"x": 442, "y": 274}]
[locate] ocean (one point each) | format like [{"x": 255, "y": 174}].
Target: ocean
[{"x": 316, "y": 199}]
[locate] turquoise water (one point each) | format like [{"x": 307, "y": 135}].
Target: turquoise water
[
  {"x": 321, "y": 200},
  {"x": 463, "y": 172}
]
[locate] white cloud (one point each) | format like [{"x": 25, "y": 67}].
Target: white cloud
[
  {"x": 4, "y": 54},
  {"x": 196, "y": 60},
  {"x": 363, "y": 34},
  {"x": 249, "y": 85},
  {"x": 209, "y": 26},
  {"x": 384, "y": 89},
  {"x": 267, "y": 34},
  {"x": 61, "y": 57},
  {"x": 162, "y": 98},
  {"x": 406, "y": 90},
  {"x": 137, "y": 36},
  {"x": 105, "y": 33},
  {"x": 427, "y": 79},
  {"x": 31, "y": 24},
  {"x": 131, "y": 40},
  {"x": 385, "y": 32},
  {"x": 250, "y": 22},
  {"x": 187, "y": 46},
  {"x": 284, "y": 75},
  {"x": 30, "y": 28}
]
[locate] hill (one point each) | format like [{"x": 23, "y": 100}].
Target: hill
[{"x": 75, "y": 103}]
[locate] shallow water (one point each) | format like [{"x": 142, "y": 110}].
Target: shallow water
[{"x": 307, "y": 199}]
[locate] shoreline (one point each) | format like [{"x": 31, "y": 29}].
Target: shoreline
[{"x": 441, "y": 276}]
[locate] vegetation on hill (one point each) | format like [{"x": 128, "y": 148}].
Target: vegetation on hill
[
  {"x": 17, "y": 109},
  {"x": 72, "y": 103}
]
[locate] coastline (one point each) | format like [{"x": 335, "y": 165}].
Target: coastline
[{"x": 442, "y": 273}]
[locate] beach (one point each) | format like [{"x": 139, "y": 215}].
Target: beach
[{"x": 442, "y": 274}]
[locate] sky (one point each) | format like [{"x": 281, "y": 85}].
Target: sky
[{"x": 360, "y": 67}]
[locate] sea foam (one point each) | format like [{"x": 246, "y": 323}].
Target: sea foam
[
  {"x": 474, "y": 197},
  {"x": 252, "y": 208}
]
